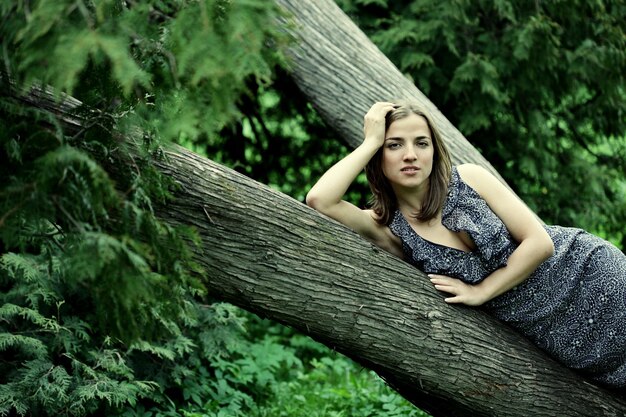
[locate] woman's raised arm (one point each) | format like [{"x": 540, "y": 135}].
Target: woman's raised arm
[{"x": 326, "y": 196}]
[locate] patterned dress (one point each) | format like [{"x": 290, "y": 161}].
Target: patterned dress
[{"x": 573, "y": 306}]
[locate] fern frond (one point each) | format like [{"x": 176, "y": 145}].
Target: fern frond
[
  {"x": 160, "y": 352},
  {"x": 48, "y": 384},
  {"x": 9, "y": 311},
  {"x": 29, "y": 346},
  {"x": 11, "y": 399},
  {"x": 21, "y": 266},
  {"x": 111, "y": 361}
]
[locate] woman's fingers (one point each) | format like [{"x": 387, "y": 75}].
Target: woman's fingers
[
  {"x": 445, "y": 284},
  {"x": 450, "y": 285},
  {"x": 442, "y": 279},
  {"x": 374, "y": 122},
  {"x": 379, "y": 110},
  {"x": 460, "y": 291},
  {"x": 383, "y": 104}
]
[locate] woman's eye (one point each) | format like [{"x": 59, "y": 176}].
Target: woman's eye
[
  {"x": 422, "y": 144},
  {"x": 393, "y": 146}
]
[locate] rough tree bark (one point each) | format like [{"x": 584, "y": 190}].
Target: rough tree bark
[
  {"x": 343, "y": 73},
  {"x": 272, "y": 255}
]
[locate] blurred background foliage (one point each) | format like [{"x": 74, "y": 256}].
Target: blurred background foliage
[
  {"x": 101, "y": 313},
  {"x": 538, "y": 87}
]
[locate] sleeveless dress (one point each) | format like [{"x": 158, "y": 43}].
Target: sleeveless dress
[{"x": 573, "y": 306}]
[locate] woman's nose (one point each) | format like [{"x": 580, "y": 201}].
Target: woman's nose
[{"x": 410, "y": 154}]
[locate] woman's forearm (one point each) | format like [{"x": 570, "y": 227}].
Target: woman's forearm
[
  {"x": 330, "y": 189},
  {"x": 332, "y": 186},
  {"x": 526, "y": 258},
  {"x": 535, "y": 244}
]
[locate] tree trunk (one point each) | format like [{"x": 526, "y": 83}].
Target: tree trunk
[
  {"x": 343, "y": 73},
  {"x": 270, "y": 254}
]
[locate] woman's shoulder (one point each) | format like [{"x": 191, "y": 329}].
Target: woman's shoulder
[
  {"x": 472, "y": 171},
  {"x": 383, "y": 236},
  {"x": 477, "y": 177}
]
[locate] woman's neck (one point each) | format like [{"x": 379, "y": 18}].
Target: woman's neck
[{"x": 410, "y": 201}]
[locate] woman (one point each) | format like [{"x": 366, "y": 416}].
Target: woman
[{"x": 563, "y": 288}]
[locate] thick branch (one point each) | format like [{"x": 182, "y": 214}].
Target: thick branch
[
  {"x": 343, "y": 73},
  {"x": 271, "y": 255}
]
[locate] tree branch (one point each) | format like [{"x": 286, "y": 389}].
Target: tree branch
[{"x": 274, "y": 256}]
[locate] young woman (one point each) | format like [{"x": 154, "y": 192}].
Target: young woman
[{"x": 563, "y": 288}]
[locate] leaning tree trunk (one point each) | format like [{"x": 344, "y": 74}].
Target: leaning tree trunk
[
  {"x": 269, "y": 254},
  {"x": 343, "y": 73},
  {"x": 272, "y": 255}
]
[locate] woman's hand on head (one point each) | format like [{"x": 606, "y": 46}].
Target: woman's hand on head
[
  {"x": 374, "y": 123},
  {"x": 462, "y": 293}
]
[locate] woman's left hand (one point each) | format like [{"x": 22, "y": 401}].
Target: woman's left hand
[{"x": 462, "y": 292}]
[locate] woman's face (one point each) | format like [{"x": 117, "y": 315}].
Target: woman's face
[{"x": 408, "y": 153}]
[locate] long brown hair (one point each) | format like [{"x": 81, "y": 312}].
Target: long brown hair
[{"x": 384, "y": 201}]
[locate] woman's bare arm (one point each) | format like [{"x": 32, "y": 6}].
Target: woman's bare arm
[
  {"x": 535, "y": 245},
  {"x": 326, "y": 196}
]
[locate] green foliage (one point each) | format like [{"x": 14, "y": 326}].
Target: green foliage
[
  {"x": 53, "y": 363},
  {"x": 281, "y": 141},
  {"x": 326, "y": 383},
  {"x": 180, "y": 66},
  {"x": 101, "y": 311},
  {"x": 84, "y": 270},
  {"x": 262, "y": 375},
  {"x": 537, "y": 87},
  {"x": 335, "y": 386}
]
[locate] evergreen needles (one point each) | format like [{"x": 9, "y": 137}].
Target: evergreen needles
[{"x": 98, "y": 298}]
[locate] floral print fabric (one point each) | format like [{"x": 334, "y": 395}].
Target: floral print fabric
[{"x": 573, "y": 306}]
